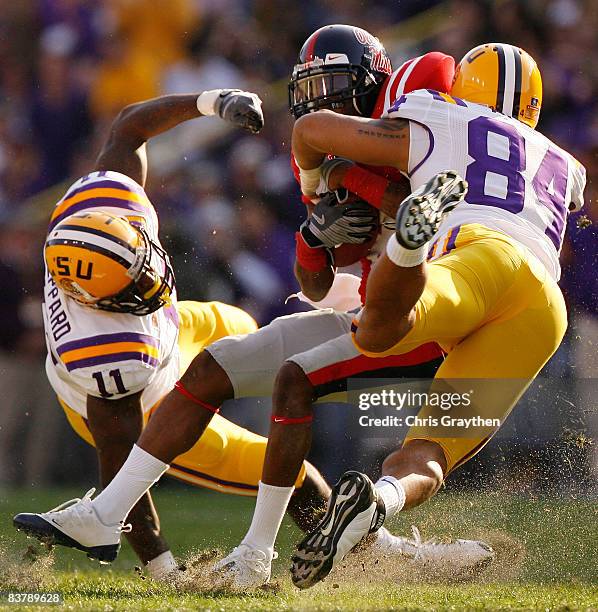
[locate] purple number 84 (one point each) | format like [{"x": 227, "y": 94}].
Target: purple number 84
[{"x": 549, "y": 183}]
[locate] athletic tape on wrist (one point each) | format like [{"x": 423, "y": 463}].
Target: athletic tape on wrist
[
  {"x": 366, "y": 185},
  {"x": 310, "y": 180},
  {"x": 181, "y": 389},
  {"x": 206, "y": 101},
  {"x": 310, "y": 259}
]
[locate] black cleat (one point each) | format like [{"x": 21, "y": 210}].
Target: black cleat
[
  {"x": 354, "y": 511},
  {"x": 421, "y": 213}
]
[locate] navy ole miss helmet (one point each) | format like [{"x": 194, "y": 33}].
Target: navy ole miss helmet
[{"x": 338, "y": 64}]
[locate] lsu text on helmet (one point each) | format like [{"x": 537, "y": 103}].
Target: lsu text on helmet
[{"x": 105, "y": 262}]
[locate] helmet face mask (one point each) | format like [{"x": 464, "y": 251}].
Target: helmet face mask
[
  {"x": 316, "y": 87},
  {"x": 151, "y": 287},
  {"x": 105, "y": 262},
  {"x": 340, "y": 67}
]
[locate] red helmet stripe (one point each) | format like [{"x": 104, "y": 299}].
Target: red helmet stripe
[{"x": 309, "y": 53}]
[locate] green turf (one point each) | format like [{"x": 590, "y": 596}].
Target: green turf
[{"x": 547, "y": 557}]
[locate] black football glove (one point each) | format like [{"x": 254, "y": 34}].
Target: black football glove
[
  {"x": 331, "y": 223},
  {"x": 241, "y": 108}
]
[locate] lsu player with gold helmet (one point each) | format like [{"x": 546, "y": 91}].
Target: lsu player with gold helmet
[
  {"x": 117, "y": 338},
  {"x": 488, "y": 296},
  {"x": 247, "y": 366}
]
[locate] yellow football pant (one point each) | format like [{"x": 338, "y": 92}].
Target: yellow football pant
[
  {"x": 499, "y": 315},
  {"x": 226, "y": 458}
]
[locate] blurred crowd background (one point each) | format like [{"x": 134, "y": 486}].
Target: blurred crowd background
[{"x": 227, "y": 202}]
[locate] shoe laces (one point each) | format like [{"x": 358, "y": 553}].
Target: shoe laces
[
  {"x": 78, "y": 507},
  {"x": 71, "y": 502},
  {"x": 431, "y": 545},
  {"x": 254, "y": 558},
  {"x": 418, "y": 542}
]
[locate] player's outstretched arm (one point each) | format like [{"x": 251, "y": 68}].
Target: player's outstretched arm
[
  {"x": 115, "y": 426},
  {"x": 124, "y": 150},
  {"x": 376, "y": 142}
]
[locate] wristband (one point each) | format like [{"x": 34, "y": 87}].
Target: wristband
[
  {"x": 206, "y": 102},
  {"x": 405, "y": 258},
  {"x": 309, "y": 258},
  {"x": 366, "y": 185}
]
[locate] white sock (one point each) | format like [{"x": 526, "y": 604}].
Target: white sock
[
  {"x": 405, "y": 258},
  {"x": 161, "y": 565},
  {"x": 270, "y": 506},
  {"x": 392, "y": 493},
  {"x": 139, "y": 472}
]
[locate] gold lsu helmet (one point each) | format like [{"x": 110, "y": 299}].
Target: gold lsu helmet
[
  {"x": 105, "y": 262},
  {"x": 503, "y": 77}
]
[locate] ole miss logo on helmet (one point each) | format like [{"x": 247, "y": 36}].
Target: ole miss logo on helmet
[{"x": 380, "y": 61}]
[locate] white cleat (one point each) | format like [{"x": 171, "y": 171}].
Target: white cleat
[
  {"x": 245, "y": 568},
  {"x": 457, "y": 558},
  {"x": 75, "y": 524}
]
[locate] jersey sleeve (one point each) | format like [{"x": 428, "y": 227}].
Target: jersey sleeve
[
  {"x": 429, "y": 112},
  {"x": 578, "y": 185},
  {"x": 424, "y": 106},
  {"x": 110, "y": 192},
  {"x": 111, "y": 365}
]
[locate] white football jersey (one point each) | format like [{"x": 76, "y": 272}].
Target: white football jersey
[
  {"x": 106, "y": 354},
  {"x": 520, "y": 183}
]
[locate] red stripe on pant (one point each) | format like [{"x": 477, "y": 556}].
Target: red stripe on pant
[{"x": 363, "y": 363}]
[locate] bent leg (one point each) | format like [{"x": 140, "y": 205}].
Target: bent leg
[
  {"x": 464, "y": 289},
  {"x": 177, "y": 423},
  {"x": 200, "y": 323},
  {"x": 498, "y": 362},
  {"x": 234, "y": 366},
  {"x": 420, "y": 466}
]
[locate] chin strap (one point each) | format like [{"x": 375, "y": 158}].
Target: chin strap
[{"x": 181, "y": 389}]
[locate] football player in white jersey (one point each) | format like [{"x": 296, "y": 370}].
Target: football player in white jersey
[
  {"x": 247, "y": 366},
  {"x": 489, "y": 295},
  {"x": 117, "y": 338}
]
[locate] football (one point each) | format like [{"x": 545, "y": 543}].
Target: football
[{"x": 349, "y": 254}]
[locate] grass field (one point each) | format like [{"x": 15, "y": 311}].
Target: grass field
[{"x": 547, "y": 558}]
